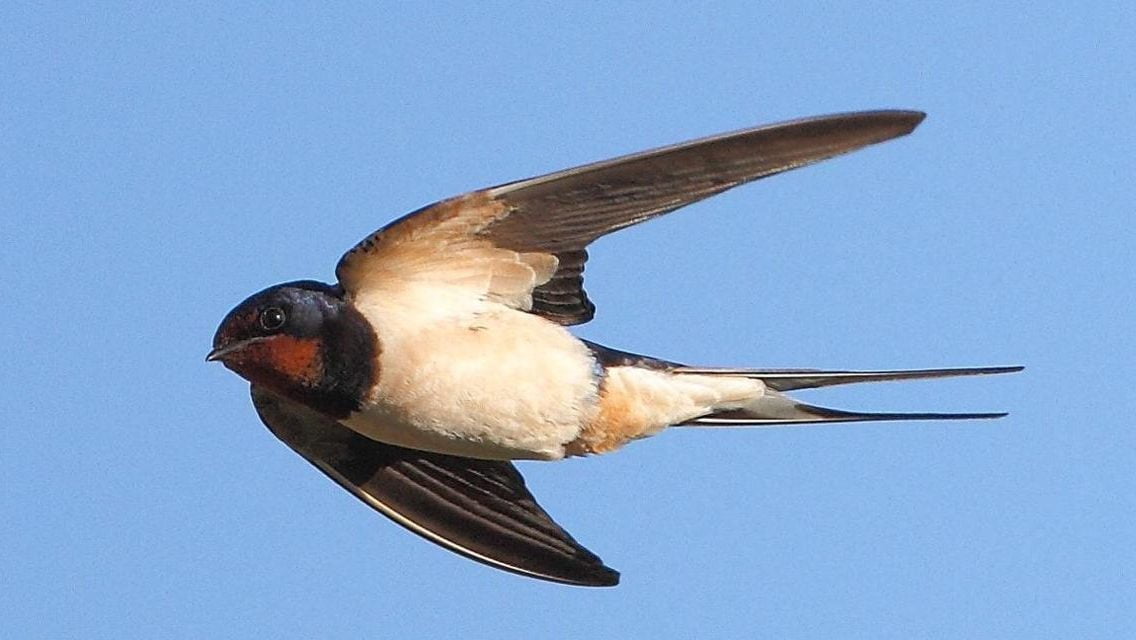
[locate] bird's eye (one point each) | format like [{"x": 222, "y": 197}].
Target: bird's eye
[{"x": 272, "y": 318}]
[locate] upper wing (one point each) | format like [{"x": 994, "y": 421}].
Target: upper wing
[
  {"x": 523, "y": 243},
  {"x": 478, "y": 508}
]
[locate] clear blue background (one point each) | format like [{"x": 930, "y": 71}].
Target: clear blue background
[{"x": 159, "y": 164}]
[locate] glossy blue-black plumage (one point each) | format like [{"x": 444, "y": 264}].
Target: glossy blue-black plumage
[{"x": 346, "y": 343}]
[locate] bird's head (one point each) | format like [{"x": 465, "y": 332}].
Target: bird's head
[{"x": 303, "y": 341}]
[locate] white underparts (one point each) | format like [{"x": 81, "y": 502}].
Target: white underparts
[{"x": 496, "y": 383}]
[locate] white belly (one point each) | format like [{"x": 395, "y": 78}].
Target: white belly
[{"x": 501, "y": 384}]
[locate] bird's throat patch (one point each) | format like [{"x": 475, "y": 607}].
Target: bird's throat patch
[
  {"x": 284, "y": 363},
  {"x": 297, "y": 359}
]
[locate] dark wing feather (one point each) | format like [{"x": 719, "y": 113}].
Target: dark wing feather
[
  {"x": 563, "y": 299},
  {"x": 477, "y": 508},
  {"x": 561, "y": 213},
  {"x": 565, "y": 211}
]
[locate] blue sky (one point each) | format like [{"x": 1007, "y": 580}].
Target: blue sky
[{"x": 160, "y": 164}]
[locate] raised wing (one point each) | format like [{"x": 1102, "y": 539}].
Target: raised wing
[
  {"x": 477, "y": 508},
  {"x": 523, "y": 243}
]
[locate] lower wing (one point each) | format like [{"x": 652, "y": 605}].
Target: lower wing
[{"x": 477, "y": 508}]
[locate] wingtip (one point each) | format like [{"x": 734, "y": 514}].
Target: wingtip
[
  {"x": 902, "y": 121},
  {"x": 605, "y": 576},
  {"x": 586, "y": 571},
  {"x": 917, "y": 117},
  {"x": 907, "y": 120},
  {"x": 911, "y": 116},
  {"x": 591, "y": 575}
]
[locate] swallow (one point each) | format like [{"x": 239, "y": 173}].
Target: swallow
[{"x": 443, "y": 353}]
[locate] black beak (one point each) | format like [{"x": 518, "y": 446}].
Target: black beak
[{"x": 219, "y": 353}]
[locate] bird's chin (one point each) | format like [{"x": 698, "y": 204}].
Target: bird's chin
[
  {"x": 242, "y": 359},
  {"x": 257, "y": 374}
]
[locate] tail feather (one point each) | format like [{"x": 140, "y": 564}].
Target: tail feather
[
  {"x": 794, "y": 379},
  {"x": 810, "y": 414},
  {"x": 775, "y": 408}
]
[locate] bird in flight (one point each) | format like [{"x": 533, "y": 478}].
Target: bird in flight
[{"x": 442, "y": 354}]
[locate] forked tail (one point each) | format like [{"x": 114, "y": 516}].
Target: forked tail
[{"x": 775, "y": 408}]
